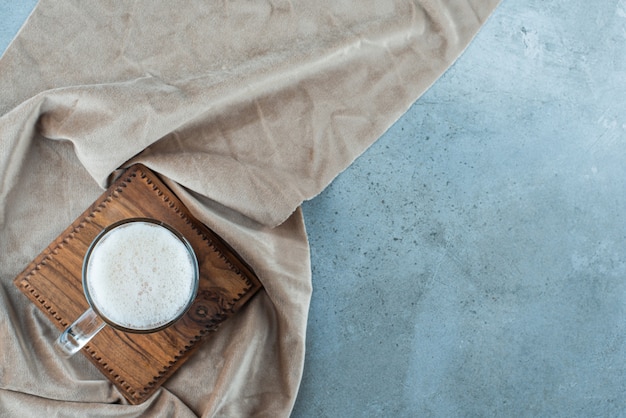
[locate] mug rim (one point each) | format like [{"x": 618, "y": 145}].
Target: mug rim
[{"x": 177, "y": 234}]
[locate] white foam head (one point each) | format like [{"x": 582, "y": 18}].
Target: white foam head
[{"x": 140, "y": 276}]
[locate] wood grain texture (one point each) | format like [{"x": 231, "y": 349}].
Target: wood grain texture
[{"x": 138, "y": 364}]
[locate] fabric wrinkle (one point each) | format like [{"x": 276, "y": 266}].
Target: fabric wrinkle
[{"x": 245, "y": 110}]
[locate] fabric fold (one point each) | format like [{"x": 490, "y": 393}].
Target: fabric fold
[
  {"x": 245, "y": 109},
  {"x": 338, "y": 95}
]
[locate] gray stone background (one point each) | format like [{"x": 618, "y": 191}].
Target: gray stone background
[{"x": 472, "y": 261}]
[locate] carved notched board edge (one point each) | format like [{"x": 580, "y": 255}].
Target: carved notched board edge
[
  {"x": 47, "y": 278},
  {"x": 217, "y": 298}
]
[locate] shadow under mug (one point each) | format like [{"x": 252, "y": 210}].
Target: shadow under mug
[{"x": 139, "y": 275}]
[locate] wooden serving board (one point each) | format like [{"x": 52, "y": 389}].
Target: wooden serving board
[{"x": 138, "y": 364}]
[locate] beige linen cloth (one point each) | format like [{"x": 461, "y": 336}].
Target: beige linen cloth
[{"x": 246, "y": 108}]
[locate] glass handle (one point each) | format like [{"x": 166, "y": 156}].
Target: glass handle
[{"x": 79, "y": 333}]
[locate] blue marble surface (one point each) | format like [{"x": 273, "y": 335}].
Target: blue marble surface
[{"x": 12, "y": 16}]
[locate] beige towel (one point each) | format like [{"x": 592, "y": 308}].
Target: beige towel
[{"x": 247, "y": 108}]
